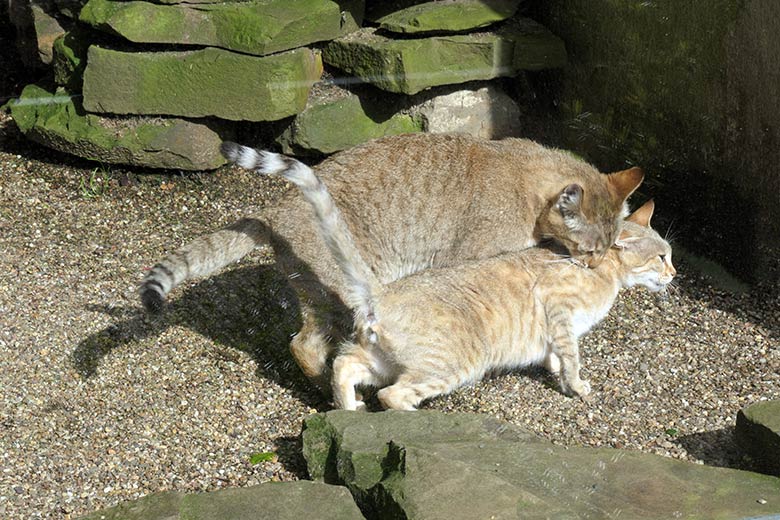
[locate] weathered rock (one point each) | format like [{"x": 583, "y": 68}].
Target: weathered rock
[
  {"x": 328, "y": 125},
  {"x": 448, "y": 466},
  {"x": 486, "y": 112},
  {"x": 257, "y": 27},
  {"x": 207, "y": 82},
  {"x": 274, "y": 500},
  {"x": 59, "y": 122},
  {"x": 159, "y": 506},
  {"x": 70, "y": 58},
  {"x": 452, "y": 16},
  {"x": 36, "y": 30},
  {"x": 758, "y": 433},
  {"x": 414, "y": 64}
]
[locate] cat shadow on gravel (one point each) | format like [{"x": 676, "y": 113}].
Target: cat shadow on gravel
[{"x": 252, "y": 309}]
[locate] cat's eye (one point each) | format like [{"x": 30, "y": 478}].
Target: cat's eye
[{"x": 663, "y": 258}]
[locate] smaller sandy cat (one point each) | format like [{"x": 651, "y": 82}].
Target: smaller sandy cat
[{"x": 433, "y": 331}]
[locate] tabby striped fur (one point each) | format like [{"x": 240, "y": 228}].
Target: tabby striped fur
[
  {"x": 433, "y": 331},
  {"x": 410, "y": 202}
]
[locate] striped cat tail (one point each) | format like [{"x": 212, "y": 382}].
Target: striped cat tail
[
  {"x": 201, "y": 257},
  {"x": 362, "y": 284}
]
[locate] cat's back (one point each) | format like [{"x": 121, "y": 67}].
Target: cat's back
[{"x": 416, "y": 200}]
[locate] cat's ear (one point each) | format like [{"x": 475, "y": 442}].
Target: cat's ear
[
  {"x": 622, "y": 184},
  {"x": 570, "y": 199},
  {"x": 643, "y": 215},
  {"x": 640, "y": 217}
]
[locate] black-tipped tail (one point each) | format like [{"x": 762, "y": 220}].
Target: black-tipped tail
[
  {"x": 152, "y": 296},
  {"x": 230, "y": 150}
]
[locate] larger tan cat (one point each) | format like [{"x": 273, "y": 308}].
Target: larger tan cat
[
  {"x": 411, "y": 202},
  {"x": 430, "y": 332}
]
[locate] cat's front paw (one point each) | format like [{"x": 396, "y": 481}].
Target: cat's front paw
[
  {"x": 578, "y": 387},
  {"x": 583, "y": 390}
]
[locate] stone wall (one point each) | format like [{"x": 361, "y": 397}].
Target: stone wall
[
  {"x": 688, "y": 90},
  {"x": 160, "y": 83}
]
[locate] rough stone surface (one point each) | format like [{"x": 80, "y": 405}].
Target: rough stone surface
[
  {"x": 758, "y": 433},
  {"x": 451, "y": 16},
  {"x": 157, "y": 506},
  {"x": 70, "y": 58},
  {"x": 330, "y": 125},
  {"x": 207, "y": 82},
  {"x": 411, "y": 65},
  {"x": 443, "y": 466},
  {"x": 486, "y": 112},
  {"x": 36, "y": 29},
  {"x": 273, "y": 500},
  {"x": 257, "y": 27},
  {"x": 57, "y": 121}
]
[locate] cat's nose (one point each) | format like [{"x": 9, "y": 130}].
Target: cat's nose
[{"x": 593, "y": 260}]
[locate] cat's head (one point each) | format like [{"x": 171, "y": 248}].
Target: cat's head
[
  {"x": 645, "y": 257},
  {"x": 587, "y": 221}
]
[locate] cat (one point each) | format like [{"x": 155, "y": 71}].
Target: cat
[
  {"x": 433, "y": 331},
  {"x": 411, "y": 202}
]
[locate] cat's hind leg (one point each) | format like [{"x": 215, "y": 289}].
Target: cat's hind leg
[
  {"x": 351, "y": 368},
  {"x": 411, "y": 389}
]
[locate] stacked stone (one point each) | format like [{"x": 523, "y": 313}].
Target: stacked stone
[{"x": 160, "y": 83}]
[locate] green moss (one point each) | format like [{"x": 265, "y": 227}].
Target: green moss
[
  {"x": 254, "y": 27},
  {"x": 332, "y": 126},
  {"x": 208, "y": 82},
  {"x": 57, "y": 120},
  {"x": 448, "y": 16},
  {"x": 411, "y": 65}
]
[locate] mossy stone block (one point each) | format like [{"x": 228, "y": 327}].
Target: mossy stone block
[
  {"x": 158, "y": 506},
  {"x": 207, "y": 82},
  {"x": 326, "y": 127},
  {"x": 428, "y": 464},
  {"x": 414, "y": 64},
  {"x": 256, "y": 27},
  {"x": 70, "y": 58},
  {"x": 56, "y": 120},
  {"x": 277, "y": 500},
  {"x": 452, "y": 16}
]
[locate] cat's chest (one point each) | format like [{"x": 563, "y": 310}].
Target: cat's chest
[{"x": 583, "y": 320}]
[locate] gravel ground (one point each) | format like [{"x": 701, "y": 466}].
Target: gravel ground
[{"x": 100, "y": 404}]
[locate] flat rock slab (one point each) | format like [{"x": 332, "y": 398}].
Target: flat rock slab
[
  {"x": 273, "y": 500},
  {"x": 413, "y": 64},
  {"x": 442, "y": 16},
  {"x": 159, "y": 506},
  {"x": 758, "y": 433},
  {"x": 256, "y": 27},
  {"x": 329, "y": 125},
  {"x": 56, "y": 121},
  {"x": 207, "y": 82},
  {"x": 430, "y": 465}
]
